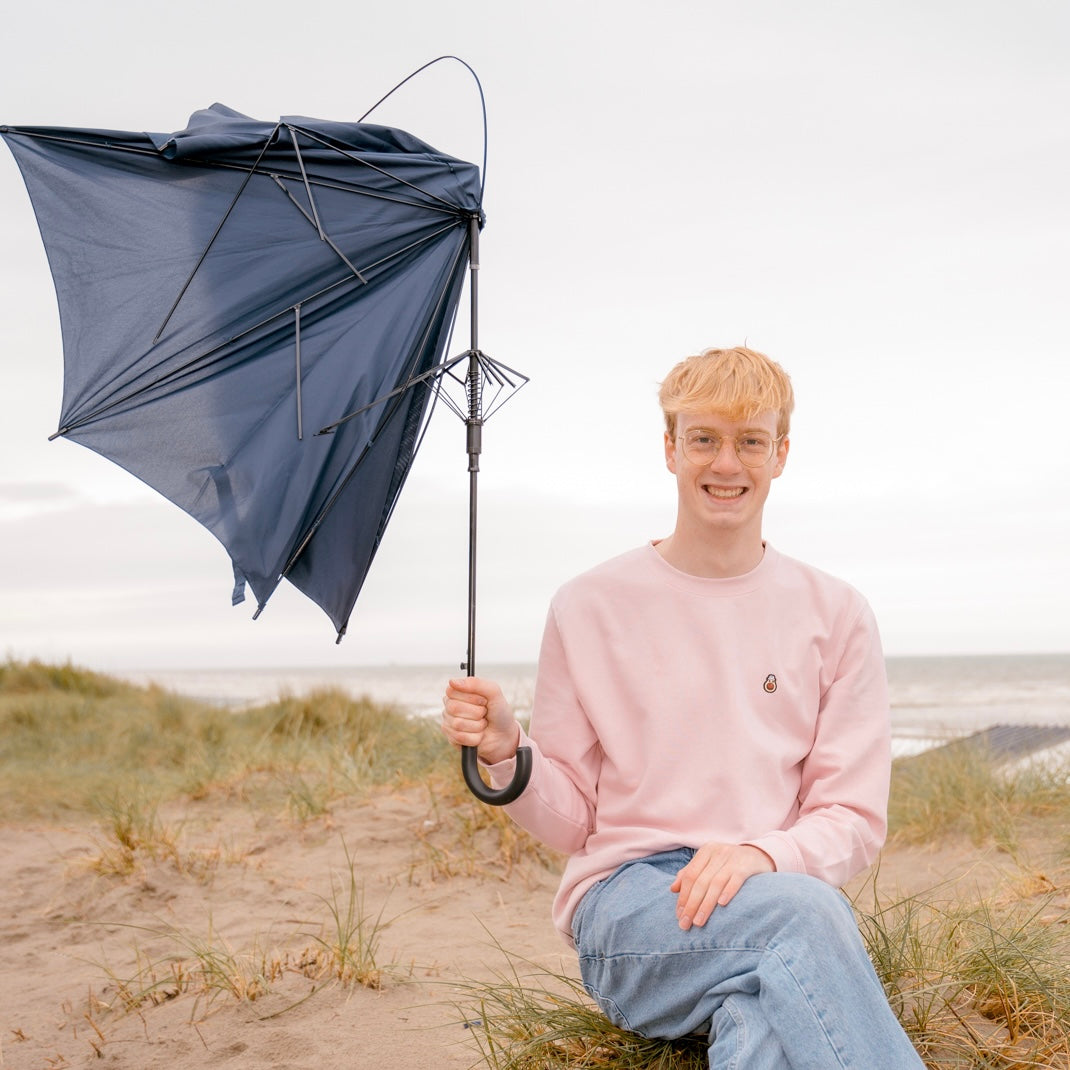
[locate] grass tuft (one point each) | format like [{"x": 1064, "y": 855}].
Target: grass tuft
[
  {"x": 975, "y": 984},
  {"x": 350, "y": 952},
  {"x": 462, "y": 837},
  {"x": 542, "y": 1020}
]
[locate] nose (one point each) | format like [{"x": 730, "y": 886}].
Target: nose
[{"x": 726, "y": 459}]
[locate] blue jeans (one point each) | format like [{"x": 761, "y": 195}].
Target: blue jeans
[{"x": 780, "y": 977}]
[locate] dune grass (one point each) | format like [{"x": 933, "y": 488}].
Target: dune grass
[
  {"x": 73, "y": 741},
  {"x": 968, "y": 792}
]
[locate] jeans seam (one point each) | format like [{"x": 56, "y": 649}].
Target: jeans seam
[
  {"x": 741, "y": 1035},
  {"x": 703, "y": 949},
  {"x": 833, "y": 1046},
  {"x": 605, "y": 1004}
]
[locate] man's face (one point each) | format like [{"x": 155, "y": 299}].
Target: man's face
[{"x": 724, "y": 495}]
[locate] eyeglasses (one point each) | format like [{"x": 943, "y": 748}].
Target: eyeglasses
[{"x": 753, "y": 448}]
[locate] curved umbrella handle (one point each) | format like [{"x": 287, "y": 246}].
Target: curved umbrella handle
[{"x": 499, "y": 796}]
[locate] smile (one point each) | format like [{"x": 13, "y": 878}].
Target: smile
[{"x": 726, "y": 492}]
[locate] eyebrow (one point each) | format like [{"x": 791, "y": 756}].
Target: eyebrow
[{"x": 741, "y": 431}]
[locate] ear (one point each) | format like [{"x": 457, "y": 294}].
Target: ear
[
  {"x": 670, "y": 453},
  {"x": 781, "y": 455}
]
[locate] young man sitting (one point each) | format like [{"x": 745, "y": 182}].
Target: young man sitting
[{"x": 710, "y": 746}]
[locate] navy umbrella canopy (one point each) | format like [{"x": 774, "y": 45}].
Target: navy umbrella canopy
[
  {"x": 255, "y": 318},
  {"x": 230, "y": 289}
]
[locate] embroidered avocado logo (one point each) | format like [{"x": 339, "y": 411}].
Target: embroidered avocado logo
[{"x": 770, "y": 683}]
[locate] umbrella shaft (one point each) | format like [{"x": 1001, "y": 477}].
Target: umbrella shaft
[
  {"x": 473, "y": 476},
  {"x": 474, "y": 424}
]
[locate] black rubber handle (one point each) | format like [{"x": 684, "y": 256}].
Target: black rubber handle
[{"x": 496, "y": 796}]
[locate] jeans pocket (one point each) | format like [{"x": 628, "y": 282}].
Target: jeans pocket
[{"x": 581, "y": 910}]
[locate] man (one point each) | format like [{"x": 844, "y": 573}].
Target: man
[{"x": 710, "y": 744}]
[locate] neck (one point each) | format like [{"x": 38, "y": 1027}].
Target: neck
[{"x": 711, "y": 559}]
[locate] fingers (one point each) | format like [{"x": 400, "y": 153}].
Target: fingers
[
  {"x": 476, "y": 714},
  {"x": 464, "y": 718},
  {"x": 712, "y": 878},
  {"x": 699, "y": 886},
  {"x": 473, "y": 689}
]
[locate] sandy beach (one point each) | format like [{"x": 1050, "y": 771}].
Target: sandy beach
[
  {"x": 89, "y": 975},
  {"x": 266, "y": 889}
]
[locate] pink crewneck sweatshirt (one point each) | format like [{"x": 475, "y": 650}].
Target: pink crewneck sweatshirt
[{"x": 672, "y": 710}]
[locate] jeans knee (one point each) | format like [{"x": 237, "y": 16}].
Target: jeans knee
[{"x": 801, "y": 904}]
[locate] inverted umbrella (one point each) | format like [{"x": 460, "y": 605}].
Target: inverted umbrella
[{"x": 228, "y": 289}]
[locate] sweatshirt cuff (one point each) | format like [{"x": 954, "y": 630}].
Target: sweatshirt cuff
[
  {"x": 782, "y": 850},
  {"x": 501, "y": 773}
]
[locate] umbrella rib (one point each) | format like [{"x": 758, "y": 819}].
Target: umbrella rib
[
  {"x": 219, "y": 227},
  {"x": 297, "y": 360},
  {"x": 315, "y": 221},
  {"x": 364, "y": 191},
  {"x": 103, "y": 143},
  {"x": 375, "y": 167},
  {"x": 308, "y": 188},
  {"x": 436, "y": 372},
  {"x": 482, "y": 102},
  {"x": 444, "y": 209},
  {"x": 304, "y": 178},
  {"x": 219, "y": 165}
]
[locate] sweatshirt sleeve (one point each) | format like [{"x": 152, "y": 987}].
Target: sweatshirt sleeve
[
  {"x": 843, "y": 795},
  {"x": 558, "y": 806}
]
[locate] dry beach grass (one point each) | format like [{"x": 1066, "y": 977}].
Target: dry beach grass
[{"x": 308, "y": 882}]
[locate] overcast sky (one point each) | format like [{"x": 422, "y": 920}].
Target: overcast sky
[{"x": 874, "y": 193}]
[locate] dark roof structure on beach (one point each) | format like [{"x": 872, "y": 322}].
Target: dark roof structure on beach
[{"x": 1006, "y": 742}]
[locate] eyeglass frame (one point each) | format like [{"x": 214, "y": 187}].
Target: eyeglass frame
[{"x": 734, "y": 439}]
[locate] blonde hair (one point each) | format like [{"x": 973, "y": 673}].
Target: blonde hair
[{"x": 738, "y": 383}]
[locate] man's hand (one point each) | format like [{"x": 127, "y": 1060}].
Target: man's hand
[
  {"x": 476, "y": 714},
  {"x": 712, "y": 877}
]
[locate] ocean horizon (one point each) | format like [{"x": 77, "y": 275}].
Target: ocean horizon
[{"x": 932, "y": 697}]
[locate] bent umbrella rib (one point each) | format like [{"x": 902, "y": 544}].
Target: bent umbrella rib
[
  {"x": 304, "y": 178},
  {"x": 211, "y": 241},
  {"x": 315, "y": 221}
]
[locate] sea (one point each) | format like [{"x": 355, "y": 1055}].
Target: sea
[{"x": 933, "y": 699}]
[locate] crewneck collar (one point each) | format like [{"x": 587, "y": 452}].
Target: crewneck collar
[{"x": 716, "y": 586}]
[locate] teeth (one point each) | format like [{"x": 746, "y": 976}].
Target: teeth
[{"x": 718, "y": 492}]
